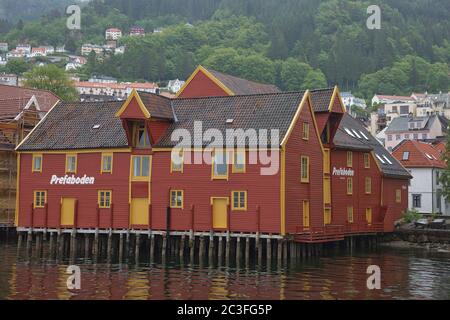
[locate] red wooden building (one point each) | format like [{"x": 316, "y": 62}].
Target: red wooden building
[{"x": 113, "y": 165}]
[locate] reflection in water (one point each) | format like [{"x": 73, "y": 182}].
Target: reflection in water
[{"x": 405, "y": 275}]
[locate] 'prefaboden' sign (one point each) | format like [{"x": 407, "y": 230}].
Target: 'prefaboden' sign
[
  {"x": 72, "y": 180},
  {"x": 343, "y": 172}
]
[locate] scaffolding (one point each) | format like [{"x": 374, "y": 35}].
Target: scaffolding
[{"x": 13, "y": 129}]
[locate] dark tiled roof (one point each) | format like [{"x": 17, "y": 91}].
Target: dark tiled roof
[
  {"x": 345, "y": 141},
  {"x": 242, "y": 86},
  {"x": 158, "y": 106},
  {"x": 265, "y": 111},
  {"x": 321, "y": 98},
  {"x": 401, "y": 124},
  {"x": 70, "y": 125},
  {"x": 46, "y": 99}
]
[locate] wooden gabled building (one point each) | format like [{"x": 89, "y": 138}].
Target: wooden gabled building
[{"x": 119, "y": 168}]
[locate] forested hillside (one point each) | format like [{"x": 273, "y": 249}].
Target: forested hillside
[{"x": 294, "y": 44}]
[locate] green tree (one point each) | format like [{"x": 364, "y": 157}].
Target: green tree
[
  {"x": 17, "y": 66},
  {"x": 51, "y": 78}
]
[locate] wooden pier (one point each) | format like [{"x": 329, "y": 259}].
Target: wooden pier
[{"x": 218, "y": 248}]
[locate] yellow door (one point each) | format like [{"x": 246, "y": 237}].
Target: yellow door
[
  {"x": 220, "y": 213},
  {"x": 67, "y": 211},
  {"x": 326, "y": 190},
  {"x": 139, "y": 211},
  {"x": 327, "y": 215}
]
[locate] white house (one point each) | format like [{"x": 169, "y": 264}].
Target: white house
[
  {"x": 113, "y": 34},
  {"x": 382, "y": 99},
  {"x": 423, "y": 161},
  {"x": 350, "y": 100},
  {"x": 175, "y": 85},
  {"x": 415, "y": 128},
  {"x": 3, "y": 46}
]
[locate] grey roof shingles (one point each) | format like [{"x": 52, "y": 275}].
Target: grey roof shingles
[
  {"x": 241, "y": 86},
  {"x": 343, "y": 140},
  {"x": 321, "y": 98},
  {"x": 70, "y": 125}
]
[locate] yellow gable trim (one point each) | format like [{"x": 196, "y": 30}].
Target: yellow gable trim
[
  {"x": 134, "y": 94},
  {"x": 200, "y": 68},
  {"x": 336, "y": 93}
]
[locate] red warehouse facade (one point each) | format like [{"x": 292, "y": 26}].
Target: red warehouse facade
[{"x": 120, "y": 166}]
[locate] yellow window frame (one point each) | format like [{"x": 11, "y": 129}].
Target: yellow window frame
[
  {"x": 175, "y": 205},
  {"x": 136, "y": 129},
  {"x": 103, "y": 162},
  {"x": 350, "y": 214},
  {"x": 235, "y": 161},
  {"x": 367, "y": 160},
  {"x": 349, "y": 159},
  {"x": 68, "y": 156},
  {"x": 213, "y": 175},
  {"x": 37, "y": 198},
  {"x": 33, "y": 168},
  {"x": 305, "y": 131},
  {"x": 141, "y": 177},
  {"x": 238, "y": 193},
  {"x": 306, "y": 214},
  {"x": 349, "y": 186},
  {"x": 368, "y": 185},
  {"x": 398, "y": 195},
  {"x": 304, "y": 166},
  {"x": 107, "y": 194},
  {"x": 173, "y": 168}
]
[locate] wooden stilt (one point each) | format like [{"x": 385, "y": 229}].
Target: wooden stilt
[
  {"x": 19, "y": 242},
  {"x": 211, "y": 249},
  {"x": 110, "y": 240},
  {"x": 181, "y": 249},
  {"x": 192, "y": 248},
  {"x": 238, "y": 250},
  {"x": 137, "y": 247},
  {"x": 280, "y": 250},
  {"x": 269, "y": 251},
  {"x": 260, "y": 249},
  {"x": 219, "y": 254},
  {"x": 247, "y": 251},
  {"x": 127, "y": 245},
  {"x": 152, "y": 247},
  {"x": 164, "y": 248},
  {"x": 227, "y": 249}
]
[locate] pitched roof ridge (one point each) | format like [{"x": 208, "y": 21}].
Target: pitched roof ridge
[
  {"x": 241, "y": 95},
  {"x": 230, "y": 75}
]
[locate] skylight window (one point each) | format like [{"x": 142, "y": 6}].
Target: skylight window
[
  {"x": 428, "y": 156},
  {"x": 356, "y": 134},
  {"x": 381, "y": 159},
  {"x": 230, "y": 121},
  {"x": 387, "y": 159},
  {"x": 349, "y": 132},
  {"x": 364, "y": 135},
  {"x": 96, "y": 126},
  {"x": 405, "y": 155}
]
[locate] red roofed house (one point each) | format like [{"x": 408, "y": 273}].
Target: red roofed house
[
  {"x": 424, "y": 162},
  {"x": 297, "y": 176}
]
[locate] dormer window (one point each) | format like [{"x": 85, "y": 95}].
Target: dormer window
[{"x": 141, "y": 138}]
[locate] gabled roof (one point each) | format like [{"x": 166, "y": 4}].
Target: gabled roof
[
  {"x": 261, "y": 111},
  {"x": 242, "y": 86},
  {"x": 70, "y": 125},
  {"x": 321, "y": 99},
  {"x": 366, "y": 142},
  {"x": 421, "y": 155},
  {"x": 230, "y": 84},
  {"x": 394, "y": 98},
  {"x": 46, "y": 98}
]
